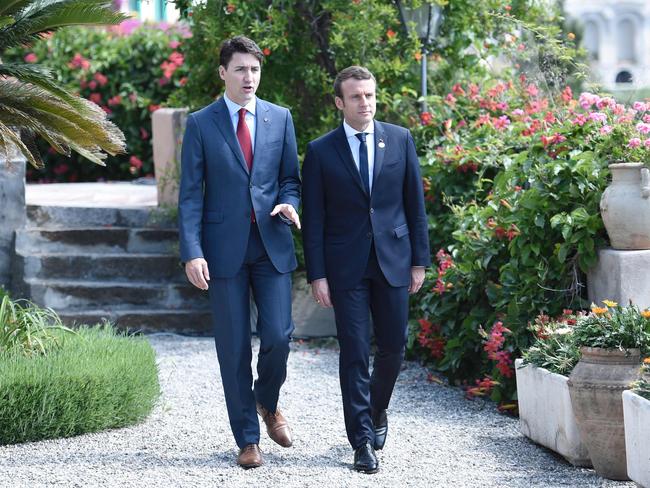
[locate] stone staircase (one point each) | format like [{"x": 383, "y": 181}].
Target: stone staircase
[{"x": 116, "y": 263}]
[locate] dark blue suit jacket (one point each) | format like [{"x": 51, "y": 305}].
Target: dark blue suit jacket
[
  {"x": 340, "y": 221},
  {"x": 217, "y": 191}
]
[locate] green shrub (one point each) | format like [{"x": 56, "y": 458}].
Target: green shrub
[
  {"x": 97, "y": 379},
  {"x": 129, "y": 71}
]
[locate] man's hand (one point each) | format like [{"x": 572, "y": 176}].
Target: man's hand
[
  {"x": 288, "y": 211},
  {"x": 197, "y": 272},
  {"x": 417, "y": 278},
  {"x": 321, "y": 291}
]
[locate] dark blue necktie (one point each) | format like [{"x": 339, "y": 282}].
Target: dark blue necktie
[{"x": 363, "y": 161}]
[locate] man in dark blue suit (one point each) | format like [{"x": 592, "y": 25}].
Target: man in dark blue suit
[
  {"x": 366, "y": 248},
  {"x": 240, "y": 188}
]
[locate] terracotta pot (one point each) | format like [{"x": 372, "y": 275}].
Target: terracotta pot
[
  {"x": 625, "y": 206},
  {"x": 596, "y": 385}
]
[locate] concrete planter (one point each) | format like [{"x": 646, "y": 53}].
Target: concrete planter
[
  {"x": 546, "y": 414},
  {"x": 636, "y": 411}
]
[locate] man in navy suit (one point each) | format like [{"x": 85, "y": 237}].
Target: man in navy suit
[
  {"x": 240, "y": 188},
  {"x": 366, "y": 248}
]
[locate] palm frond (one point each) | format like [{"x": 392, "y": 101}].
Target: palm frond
[
  {"x": 10, "y": 7},
  {"x": 43, "y": 16},
  {"x": 83, "y": 128},
  {"x": 9, "y": 138}
]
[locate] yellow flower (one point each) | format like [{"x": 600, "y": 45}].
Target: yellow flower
[
  {"x": 645, "y": 314},
  {"x": 610, "y": 303},
  {"x": 598, "y": 310},
  {"x": 571, "y": 36}
]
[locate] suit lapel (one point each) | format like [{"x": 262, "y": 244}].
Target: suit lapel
[
  {"x": 224, "y": 124},
  {"x": 262, "y": 127},
  {"x": 343, "y": 148},
  {"x": 380, "y": 150}
]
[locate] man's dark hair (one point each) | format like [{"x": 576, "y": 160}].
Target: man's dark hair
[
  {"x": 238, "y": 44},
  {"x": 356, "y": 72}
]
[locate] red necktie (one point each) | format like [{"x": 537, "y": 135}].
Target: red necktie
[{"x": 244, "y": 138}]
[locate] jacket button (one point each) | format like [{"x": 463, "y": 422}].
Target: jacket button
[
  {"x": 369, "y": 235},
  {"x": 372, "y": 210},
  {"x": 250, "y": 185}
]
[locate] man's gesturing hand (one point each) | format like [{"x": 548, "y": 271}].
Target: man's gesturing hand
[
  {"x": 197, "y": 272},
  {"x": 321, "y": 291},
  {"x": 417, "y": 278},
  {"x": 288, "y": 211}
]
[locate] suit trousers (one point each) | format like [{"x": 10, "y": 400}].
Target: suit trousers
[
  {"x": 230, "y": 301},
  {"x": 361, "y": 391}
]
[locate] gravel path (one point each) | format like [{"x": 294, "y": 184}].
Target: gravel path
[{"x": 436, "y": 437}]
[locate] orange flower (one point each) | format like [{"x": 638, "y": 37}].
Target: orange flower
[
  {"x": 418, "y": 56},
  {"x": 266, "y": 51},
  {"x": 571, "y": 36},
  {"x": 646, "y": 361},
  {"x": 598, "y": 310},
  {"x": 390, "y": 33},
  {"x": 645, "y": 314}
]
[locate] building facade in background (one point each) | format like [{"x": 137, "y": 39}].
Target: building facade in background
[
  {"x": 150, "y": 10},
  {"x": 617, "y": 38}
]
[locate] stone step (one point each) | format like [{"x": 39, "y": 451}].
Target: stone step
[
  {"x": 82, "y": 217},
  {"x": 74, "y": 294},
  {"x": 97, "y": 239},
  {"x": 157, "y": 268},
  {"x": 194, "y": 322}
]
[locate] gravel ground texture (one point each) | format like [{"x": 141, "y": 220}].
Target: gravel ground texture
[{"x": 436, "y": 437}]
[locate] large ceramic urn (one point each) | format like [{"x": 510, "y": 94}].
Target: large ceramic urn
[
  {"x": 625, "y": 206},
  {"x": 596, "y": 386}
]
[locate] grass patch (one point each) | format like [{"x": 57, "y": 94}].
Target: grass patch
[{"x": 95, "y": 379}]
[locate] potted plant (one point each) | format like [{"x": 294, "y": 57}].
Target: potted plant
[
  {"x": 620, "y": 135},
  {"x": 636, "y": 408},
  {"x": 545, "y": 410},
  {"x": 611, "y": 339}
]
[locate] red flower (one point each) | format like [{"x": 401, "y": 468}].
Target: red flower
[
  {"x": 153, "y": 107},
  {"x": 458, "y": 90},
  {"x": 176, "y": 58},
  {"x": 116, "y": 100},
  {"x": 31, "y": 58},
  {"x": 230, "y": 8},
  {"x": 95, "y": 98},
  {"x": 183, "y": 81},
  {"x": 266, "y": 51},
  {"x": 425, "y": 118},
  {"x": 135, "y": 162},
  {"x": 567, "y": 94},
  {"x": 100, "y": 78},
  {"x": 390, "y": 33}
]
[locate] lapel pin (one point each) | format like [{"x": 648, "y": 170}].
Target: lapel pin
[
  {"x": 266, "y": 119},
  {"x": 381, "y": 144}
]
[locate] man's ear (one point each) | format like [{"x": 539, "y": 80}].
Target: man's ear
[
  {"x": 339, "y": 103},
  {"x": 222, "y": 72}
]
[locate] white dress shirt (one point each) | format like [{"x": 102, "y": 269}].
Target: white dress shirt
[
  {"x": 355, "y": 143},
  {"x": 233, "y": 110}
]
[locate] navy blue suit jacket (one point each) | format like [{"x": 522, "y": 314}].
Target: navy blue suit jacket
[
  {"x": 340, "y": 221},
  {"x": 217, "y": 192}
]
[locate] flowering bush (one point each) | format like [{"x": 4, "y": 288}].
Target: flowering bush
[
  {"x": 129, "y": 70},
  {"x": 513, "y": 180}
]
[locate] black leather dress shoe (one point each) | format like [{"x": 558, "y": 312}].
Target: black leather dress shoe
[
  {"x": 380, "y": 423},
  {"x": 365, "y": 460}
]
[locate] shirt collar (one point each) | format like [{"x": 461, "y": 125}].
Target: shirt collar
[
  {"x": 350, "y": 132},
  {"x": 233, "y": 107}
]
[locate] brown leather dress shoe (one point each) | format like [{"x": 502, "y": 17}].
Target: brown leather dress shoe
[
  {"x": 250, "y": 456},
  {"x": 276, "y": 426}
]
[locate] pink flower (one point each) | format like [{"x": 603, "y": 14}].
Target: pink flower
[
  {"x": 450, "y": 99},
  {"x": 605, "y": 103},
  {"x": 640, "y": 106},
  {"x": 580, "y": 120},
  {"x": 567, "y": 94},
  {"x": 598, "y": 117},
  {"x": 133, "y": 97},
  {"x": 163, "y": 81},
  {"x": 458, "y": 90},
  {"x": 174, "y": 44},
  {"x": 606, "y": 129},
  {"x": 95, "y": 98},
  {"x": 177, "y": 58},
  {"x": 532, "y": 90},
  {"x": 92, "y": 84},
  {"x": 31, "y": 58},
  {"x": 78, "y": 61},
  {"x": 643, "y": 128},
  {"x": 587, "y": 99},
  {"x": 502, "y": 122},
  {"x": 646, "y": 143},
  {"x": 116, "y": 100},
  {"x": 425, "y": 118},
  {"x": 517, "y": 112},
  {"x": 503, "y": 106},
  {"x": 634, "y": 142},
  {"x": 100, "y": 78},
  {"x": 144, "y": 135},
  {"x": 646, "y": 118},
  {"x": 618, "y": 109}
]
